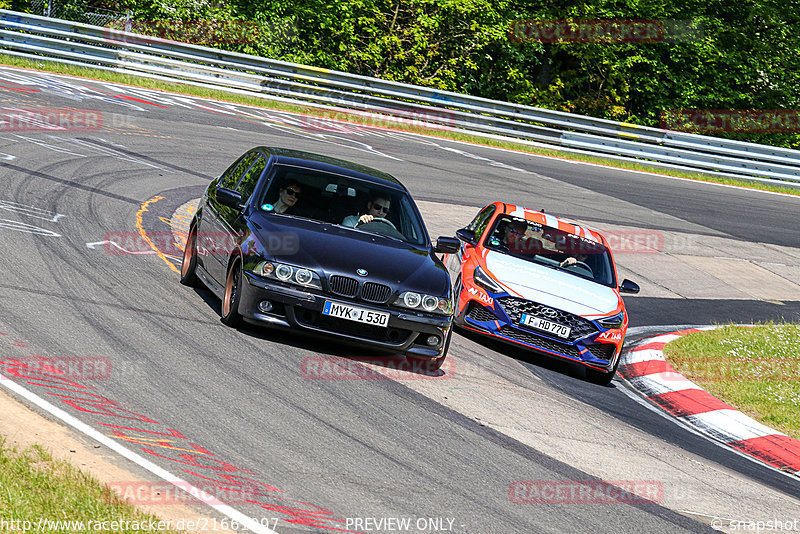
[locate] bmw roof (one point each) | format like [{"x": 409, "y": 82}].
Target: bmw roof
[{"x": 310, "y": 160}]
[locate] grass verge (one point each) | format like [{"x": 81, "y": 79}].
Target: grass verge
[
  {"x": 97, "y": 74},
  {"x": 756, "y": 370},
  {"x": 35, "y": 488}
]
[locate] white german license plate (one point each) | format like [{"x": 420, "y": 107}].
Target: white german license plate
[
  {"x": 543, "y": 324},
  {"x": 352, "y": 313}
]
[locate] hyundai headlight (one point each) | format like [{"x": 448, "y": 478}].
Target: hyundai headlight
[
  {"x": 486, "y": 281},
  {"x": 615, "y": 321}
]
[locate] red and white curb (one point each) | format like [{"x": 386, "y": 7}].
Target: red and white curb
[{"x": 646, "y": 369}]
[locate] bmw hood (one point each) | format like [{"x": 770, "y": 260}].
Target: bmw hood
[
  {"x": 333, "y": 249},
  {"x": 551, "y": 287}
]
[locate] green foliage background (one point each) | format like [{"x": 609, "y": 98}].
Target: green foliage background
[{"x": 744, "y": 54}]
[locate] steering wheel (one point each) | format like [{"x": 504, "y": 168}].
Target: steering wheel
[
  {"x": 379, "y": 220},
  {"x": 582, "y": 265}
]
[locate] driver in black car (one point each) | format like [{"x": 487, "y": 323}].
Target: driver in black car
[{"x": 378, "y": 207}]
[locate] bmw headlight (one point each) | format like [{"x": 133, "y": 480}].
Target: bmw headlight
[
  {"x": 615, "y": 321},
  {"x": 283, "y": 272},
  {"x": 428, "y": 303},
  {"x": 411, "y": 299},
  {"x": 289, "y": 274},
  {"x": 303, "y": 277},
  {"x": 486, "y": 281}
]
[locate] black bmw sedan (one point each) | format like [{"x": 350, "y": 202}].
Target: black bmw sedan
[{"x": 293, "y": 239}]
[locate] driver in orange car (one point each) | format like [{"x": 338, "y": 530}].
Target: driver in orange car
[{"x": 377, "y": 207}]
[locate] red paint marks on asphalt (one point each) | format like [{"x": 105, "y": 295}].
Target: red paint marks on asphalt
[
  {"x": 193, "y": 458},
  {"x": 126, "y": 97},
  {"x": 686, "y": 331},
  {"x": 650, "y": 367},
  {"x": 689, "y": 402},
  {"x": 777, "y": 450},
  {"x": 11, "y": 86}
]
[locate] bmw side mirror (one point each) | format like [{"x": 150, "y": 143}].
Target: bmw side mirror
[
  {"x": 229, "y": 198},
  {"x": 466, "y": 235},
  {"x": 628, "y": 287},
  {"x": 447, "y": 245}
]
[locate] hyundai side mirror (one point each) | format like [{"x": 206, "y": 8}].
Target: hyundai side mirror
[
  {"x": 466, "y": 235},
  {"x": 628, "y": 287}
]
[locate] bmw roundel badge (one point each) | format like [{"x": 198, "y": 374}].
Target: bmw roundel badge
[{"x": 362, "y": 272}]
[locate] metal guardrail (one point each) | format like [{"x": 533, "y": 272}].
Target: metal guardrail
[{"x": 74, "y": 43}]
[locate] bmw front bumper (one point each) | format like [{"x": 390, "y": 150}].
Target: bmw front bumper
[{"x": 406, "y": 331}]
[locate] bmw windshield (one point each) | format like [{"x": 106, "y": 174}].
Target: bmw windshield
[{"x": 342, "y": 200}]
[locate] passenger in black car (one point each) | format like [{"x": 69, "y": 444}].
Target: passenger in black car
[{"x": 288, "y": 196}]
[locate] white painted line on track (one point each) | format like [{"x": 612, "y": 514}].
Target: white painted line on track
[
  {"x": 645, "y": 355},
  {"x": 160, "y": 472},
  {"x": 718, "y": 422},
  {"x": 659, "y": 383}
]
